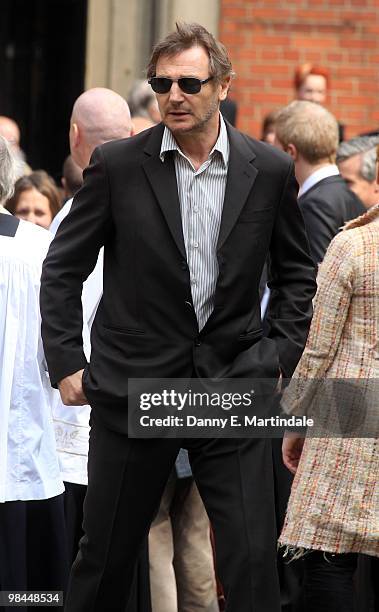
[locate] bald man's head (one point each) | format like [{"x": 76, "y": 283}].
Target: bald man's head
[{"x": 98, "y": 115}]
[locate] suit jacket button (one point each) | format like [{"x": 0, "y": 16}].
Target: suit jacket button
[
  {"x": 188, "y": 304},
  {"x": 197, "y": 342}
]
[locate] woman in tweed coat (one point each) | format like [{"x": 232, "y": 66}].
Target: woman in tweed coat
[{"x": 334, "y": 502}]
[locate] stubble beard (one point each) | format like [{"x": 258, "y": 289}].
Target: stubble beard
[{"x": 201, "y": 123}]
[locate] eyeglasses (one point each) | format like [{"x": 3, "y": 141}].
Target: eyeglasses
[{"x": 190, "y": 85}]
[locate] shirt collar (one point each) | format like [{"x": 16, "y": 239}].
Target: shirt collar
[
  {"x": 222, "y": 143},
  {"x": 317, "y": 176},
  {"x": 4, "y": 210}
]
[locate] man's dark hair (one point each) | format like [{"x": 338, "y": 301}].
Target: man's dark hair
[{"x": 186, "y": 36}]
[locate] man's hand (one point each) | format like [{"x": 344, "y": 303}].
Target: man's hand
[
  {"x": 71, "y": 390},
  {"x": 291, "y": 450}
]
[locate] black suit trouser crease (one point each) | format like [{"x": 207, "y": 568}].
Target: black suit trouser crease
[{"x": 126, "y": 481}]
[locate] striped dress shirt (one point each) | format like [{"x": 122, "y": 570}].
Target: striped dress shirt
[{"x": 201, "y": 196}]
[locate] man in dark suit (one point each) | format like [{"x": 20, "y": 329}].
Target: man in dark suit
[
  {"x": 309, "y": 133},
  {"x": 188, "y": 212}
]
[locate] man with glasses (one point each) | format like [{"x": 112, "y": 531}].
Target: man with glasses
[{"x": 188, "y": 213}]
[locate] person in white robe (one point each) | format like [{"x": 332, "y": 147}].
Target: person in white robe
[{"x": 32, "y": 545}]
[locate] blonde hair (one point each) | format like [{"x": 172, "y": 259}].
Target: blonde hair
[{"x": 311, "y": 128}]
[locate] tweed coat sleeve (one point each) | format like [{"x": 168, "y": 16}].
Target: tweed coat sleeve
[{"x": 335, "y": 288}]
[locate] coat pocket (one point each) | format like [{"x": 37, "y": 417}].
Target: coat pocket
[
  {"x": 128, "y": 331},
  {"x": 254, "y": 334}
]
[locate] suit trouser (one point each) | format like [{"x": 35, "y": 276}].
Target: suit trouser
[
  {"x": 182, "y": 575},
  {"x": 73, "y": 513},
  {"x": 33, "y": 552},
  {"x": 73, "y": 507},
  {"x": 126, "y": 482}
]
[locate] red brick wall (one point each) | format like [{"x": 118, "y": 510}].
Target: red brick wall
[{"x": 267, "y": 39}]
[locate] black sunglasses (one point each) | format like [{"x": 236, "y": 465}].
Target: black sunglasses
[{"x": 190, "y": 85}]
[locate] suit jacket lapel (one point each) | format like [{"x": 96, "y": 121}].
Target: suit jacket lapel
[
  {"x": 241, "y": 177},
  {"x": 162, "y": 178}
]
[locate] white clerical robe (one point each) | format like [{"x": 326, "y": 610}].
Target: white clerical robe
[{"x": 29, "y": 468}]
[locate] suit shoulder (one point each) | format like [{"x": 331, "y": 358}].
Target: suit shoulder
[
  {"x": 321, "y": 198},
  {"x": 267, "y": 153},
  {"x": 333, "y": 194},
  {"x": 333, "y": 186},
  {"x": 126, "y": 146}
]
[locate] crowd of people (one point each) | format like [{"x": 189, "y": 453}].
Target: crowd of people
[{"x": 176, "y": 247}]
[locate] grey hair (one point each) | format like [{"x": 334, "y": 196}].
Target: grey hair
[
  {"x": 189, "y": 35},
  {"x": 8, "y": 171},
  {"x": 140, "y": 97},
  {"x": 366, "y": 146}
]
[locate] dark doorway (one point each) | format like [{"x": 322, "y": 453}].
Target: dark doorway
[{"x": 42, "y": 62}]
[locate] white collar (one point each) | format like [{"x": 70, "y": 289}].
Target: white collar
[
  {"x": 317, "y": 176},
  {"x": 222, "y": 143}
]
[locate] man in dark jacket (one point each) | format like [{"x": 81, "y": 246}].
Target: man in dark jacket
[
  {"x": 188, "y": 212},
  {"x": 309, "y": 133}
]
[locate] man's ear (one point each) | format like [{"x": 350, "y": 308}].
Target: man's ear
[
  {"x": 75, "y": 134},
  {"x": 225, "y": 85},
  {"x": 292, "y": 151}
]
